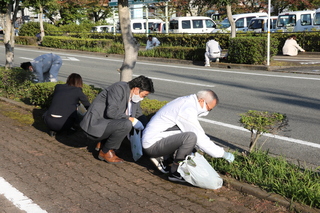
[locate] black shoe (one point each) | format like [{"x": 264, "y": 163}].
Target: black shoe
[
  {"x": 161, "y": 164},
  {"x": 176, "y": 177}
]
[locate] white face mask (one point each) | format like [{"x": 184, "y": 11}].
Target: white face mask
[
  {"x": 136, "y": 98},
  {"x": 204, "y": 112}
]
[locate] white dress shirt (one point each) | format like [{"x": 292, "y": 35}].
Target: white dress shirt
[{"x": 182, "y": 112}]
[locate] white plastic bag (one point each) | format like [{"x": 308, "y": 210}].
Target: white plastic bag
[
  {"x": 197, "y": 171},
  {"x": 136, "y": 146}
]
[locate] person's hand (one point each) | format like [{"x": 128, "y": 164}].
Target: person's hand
[
  {"x": 137, "y": 124},
  {"x": 228, "y": 156}
]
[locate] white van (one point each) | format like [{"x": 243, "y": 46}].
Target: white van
[
  {"x": 139, "y": 25},
  {"x": 316, "y": 20},
  {"x": 241, "y": 20},
  {"x": 191, "y": 24},
  {"x": 102, "y": 29},
  {"x": 261, "y": 24},
  {"x": 296, "y": 21}
]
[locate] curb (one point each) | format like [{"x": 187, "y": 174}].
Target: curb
[{"x": 228, "y": 182}]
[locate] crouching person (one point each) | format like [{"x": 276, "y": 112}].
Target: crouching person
[
  {"x": 175, "y": 131},
  {"x": 114, "y": 113}
]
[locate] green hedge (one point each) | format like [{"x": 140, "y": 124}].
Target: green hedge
[
  {"x": 66, "y": 42},
  {"x": 250, "y": 50},
  {"x": 184, "y": 46}
]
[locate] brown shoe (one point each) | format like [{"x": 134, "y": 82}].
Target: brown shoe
[
  {"x": 109, "y": 157},
  {"x": 98, "y": 146}
]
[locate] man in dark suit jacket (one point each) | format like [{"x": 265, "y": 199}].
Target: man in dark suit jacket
[{"x": 114, "y": 112}]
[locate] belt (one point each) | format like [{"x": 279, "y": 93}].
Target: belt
[{"x": 215, "y": 52}]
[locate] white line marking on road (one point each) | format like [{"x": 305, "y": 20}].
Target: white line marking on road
[
  {"x": 27, "y": 58},
  {"x": 70, "y": 59},
  {"x": 181, "y": 82},
  {"x": 292, "y": 140},
  {"x": 18, "y": 199},
  {"x": 189, "y": 68}
]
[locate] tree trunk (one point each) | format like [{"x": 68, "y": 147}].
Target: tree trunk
[
  {"x": 232, "y": 23},
  {"x": 41, "y": 23},
  {"x": 131, "y": 46},
  {"x": 7, "y": 39}
]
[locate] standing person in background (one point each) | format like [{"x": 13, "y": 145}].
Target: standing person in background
[
  {"x": 113, "y": 114},
  {"x": 152, "y": 42},
  {"x": 213, "y": 51},
  {"x": 62, "y": 113},
  {"x": 291, "y": 47},
  {"x": 46, "y": 67}
]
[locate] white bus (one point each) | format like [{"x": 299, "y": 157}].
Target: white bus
[
  {"x": 296, "y": 21},
  {"x": 241, "y": 20},
  {"x": 191, "y": 24}
]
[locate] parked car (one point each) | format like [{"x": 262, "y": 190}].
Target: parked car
[
  {"x": 261, "y": 24},
  {"x": 241, "y": 20},
  {"x": 191, "y": 24},
  {"x": 296, "y": 21}
]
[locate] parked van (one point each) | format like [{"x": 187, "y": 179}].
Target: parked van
[
  {"x": 139, "y": 25},
  {"x": 241, "y": 20},
  {"x": 296, "y": 21},
  {"x": 316, "y": 20},
  {"x": 191, "y": 24},
  {"x": 261, "y": 24},
  {"x": 102, "y": 29}
]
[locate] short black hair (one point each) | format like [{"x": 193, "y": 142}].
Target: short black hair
[
  {"x": 143, "y": 83},
  {"x": 211, "y": 38},
  {"x": 149, "y": 36},
  {"x": 25, "y": 65}
]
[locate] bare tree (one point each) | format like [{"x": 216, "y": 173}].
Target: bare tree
[
  {"x": 131, "y": 46},
  {"x": 10, "y": 18}
]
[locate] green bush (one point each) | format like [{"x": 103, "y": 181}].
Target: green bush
[
  {"x": 250, "y": 50},
  {"x": 66, "y": 42},
  {"x": 32, "y": 28},
  {"x": 26, "y": 40},
  {"x": 258, "y": 123},
  {"x": 15, "y": 83}
]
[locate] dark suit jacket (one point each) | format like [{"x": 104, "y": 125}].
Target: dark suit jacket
[
  {"x": 64, "y": 103},
  {"x": 110, "y": 104}
]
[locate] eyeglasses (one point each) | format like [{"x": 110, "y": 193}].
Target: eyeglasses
[{"x": 208, "y": 107}]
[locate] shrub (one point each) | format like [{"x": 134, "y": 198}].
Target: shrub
[
  {"x": 250, "y": 50},
  {"x": 15, "y": 83},
  {"x": 258, "y": 122},
  {"x": 32, "y": 28}
]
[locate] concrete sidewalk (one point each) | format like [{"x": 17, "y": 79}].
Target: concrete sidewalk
[{"x": 62, "y": 174}]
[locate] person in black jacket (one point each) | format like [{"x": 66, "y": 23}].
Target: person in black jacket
[{"x": 62, "y": 113}]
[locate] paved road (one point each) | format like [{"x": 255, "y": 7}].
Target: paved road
[{"x": 62, "y": 174}]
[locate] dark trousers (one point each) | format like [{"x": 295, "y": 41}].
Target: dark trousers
[
  {"x": 182, "y": 143},
  {"x": 114, "y": 134}
]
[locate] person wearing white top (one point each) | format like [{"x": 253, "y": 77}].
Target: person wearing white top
[
  {"x": 152, "y": 42},
  {"x": 213, "y": 51},
  {"x": 291, "y": 47},
  {"x": 175, "y": 128}
]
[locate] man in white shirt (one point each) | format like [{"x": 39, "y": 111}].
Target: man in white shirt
[
  {"x": 175, "y": 128},
  {"x": 152, "y": 42},
  {"x": 213, "y": 51}
]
